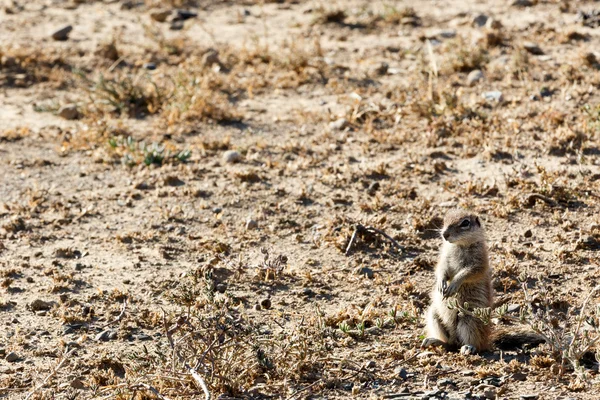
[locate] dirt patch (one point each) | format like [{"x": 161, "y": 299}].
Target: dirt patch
[{"x": 181, "y": 182}]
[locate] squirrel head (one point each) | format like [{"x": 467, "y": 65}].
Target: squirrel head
[{"x": 462, "y": 228}]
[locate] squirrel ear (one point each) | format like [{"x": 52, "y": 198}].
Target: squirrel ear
[{"x": 477, "y": 221}]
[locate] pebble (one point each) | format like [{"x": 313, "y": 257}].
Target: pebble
[
  {"x": 39, "y": 305},
  {"x": 177, "y": 25},
  {"x": 401, "y": 373},
  {"x": 77, "y": 384},
  {"x": 373, "y": 188},
  {"x": 150, "y": 66},
  {"x": 217, "y": 210},
  {"x": 338, "y": 124},
  {"x": 474, "y": 76},
  {"x": 210, "y": 58},
  {"x": 493, "y": 23},
  {"x": 480, "y": 20},
  {"x": 519, "y": 376},
  {"x": 365, "y": 271},
  {"x": 221, "y": 288},
  {"x": 528, "y": 233},
  {"x": 493, "y": 96},
  {"x": 142, "y": 337},
  {"x": 533, "y": 396},
  {"x": 63, "y": 33},
  {"x": 522, "y": 3},
  {"x": 370, "y": 364},
  {"x": 106, "y": 335},
  {"x": 265, "y": 303},
  {"x": 160, "y": 16},
  {"x": 185, "y": 14},
  {"x": 2, "y": 352},
  {"x": 381, "y": 69},
  {"x": 69, "y": 112},
  {"x": 257, "y": 307},
  {"x": 11, "y": 357},
  {"x": 447, "y": 33},
  {"x": 251, "y": 225},
  {"x": 533, "y": 48},
  {"x": 231, "y": 156},
  {"x": 513, "y": 308}
]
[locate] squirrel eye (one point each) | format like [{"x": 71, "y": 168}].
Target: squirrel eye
[{"x": 465, "y": 224}]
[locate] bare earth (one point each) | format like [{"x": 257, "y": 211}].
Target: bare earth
[{"x": 133, "y": 240}]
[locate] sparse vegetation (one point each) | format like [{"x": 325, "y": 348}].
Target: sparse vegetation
[{"x": 276, "y": 227}]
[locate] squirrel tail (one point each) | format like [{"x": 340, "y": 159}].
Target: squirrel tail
[{"x": 505, "y": 339}]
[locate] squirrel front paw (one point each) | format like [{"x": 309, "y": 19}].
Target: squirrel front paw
[{"x": 450, "y": 289}]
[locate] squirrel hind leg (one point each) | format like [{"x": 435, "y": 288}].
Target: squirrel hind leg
[
  {"x": 473, "y": 334},
  {"x": 437, "y": 334}
]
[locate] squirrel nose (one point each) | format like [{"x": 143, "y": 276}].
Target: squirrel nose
[{"x": 446, "y": 234}]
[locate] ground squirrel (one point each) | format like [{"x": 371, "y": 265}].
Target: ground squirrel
[{"x": 462, "y": 272}]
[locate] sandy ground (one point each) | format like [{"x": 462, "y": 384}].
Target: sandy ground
[{"x": 340, "y": 113}]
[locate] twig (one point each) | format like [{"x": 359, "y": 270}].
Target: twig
[
  {"x": 119, "y": 317},
  {"x": 50, "y": 375},
  {"x": 297, "y": 392},
  {"x": 531, "y": 198},
  {"x": 152, "y": 389},
  {"x": 361, "y": 229},
  {"x": 169, "y": 332}
]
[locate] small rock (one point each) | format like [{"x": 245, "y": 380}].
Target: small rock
[
  {"x": 493, "y": 96},
  {"x": 63, "y": 33},
  {"x": 528, "y": 233},
  {"x": 68, "y": 112},
  {"x": 251, "y": 225},
  {"x": 217, "y": 210},
  {"x": 143, "y": 337},
  {"x": 177, "y": 25},
  {"x": 493, "y": 23},
  {"x": 173, "y": 180},
  {"x": 513, "y": 308},
  {"x": 77, "y": 384},
  {"x": 522, "y": 3},
  {"x": 447, "y": 33},
  {"x": 210, "y": 58},
  {"x": 338, "y": 124},
  {"x": 231, "y": 156},
  {"x": 265, "y": 303},
  {"x": 446, "y": 382},
  {"x": 160, "y": 16},
  {"x": 490, "y": 393},
  {"x": 546, "y": 92},
  {"x": 533, "y": 48},
  {"x": 185, "y": 14},
  {"x": 370, "y": 364},
  {"x": 381, "y": 69},
  {"x": 365, "y": 271},
  {"x": 108, "y": 51},
  {"x": 519, "y": 376},
  {"x": 480, "y": 20},
  {"x": 467, "y": 372},
  {"x": 474, "y": 76},
  {"x": 373, "y": 188},
  {"x": 257, "y": 307},
  {"x": 533, "y": 396},
  {"x": 150, "y": 66},
  {"x": 400, "y": 373},
  {"x": 39, "y": 305},
  {"x": 106, "y": 335},
  {"x": 221, "y": 288},
  {"x": 2, "y": 352},
  {"x": 11, "y": 357}
]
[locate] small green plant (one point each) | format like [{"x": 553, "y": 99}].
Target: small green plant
[
  {"x": 344, "y": 327},
  {"x": 135, "y": 153}
]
